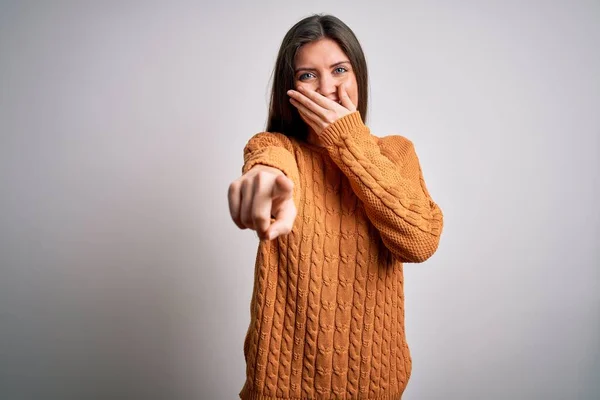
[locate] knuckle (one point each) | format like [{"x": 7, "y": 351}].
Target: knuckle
[
  {"x": 233, "y": 186},
  {"x": 246, "y": 221},
  {"x": 259, "y": 220},
  {"x": 244, "y": 185},
  {"x": 262, "y": 176}
]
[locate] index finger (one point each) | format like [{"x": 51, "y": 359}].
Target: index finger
[
  {"x": 318, "y": 98},
  {"x": 284, "y": 221},
  {"x": 300, "y": 97},
  {"x": 261, "y": 206},
  {"x": 284, "y": 187}
]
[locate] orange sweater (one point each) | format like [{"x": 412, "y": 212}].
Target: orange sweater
[{"x": 327, "y": 308}]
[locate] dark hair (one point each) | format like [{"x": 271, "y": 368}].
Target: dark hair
[{"x": 283, "y": 117}]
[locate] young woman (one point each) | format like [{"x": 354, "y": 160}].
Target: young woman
[{"x": 338, "y": 211}]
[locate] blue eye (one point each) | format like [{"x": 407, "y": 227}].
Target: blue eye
[
  {"x": 340, "y": 70},
  {"x": 304, "y": 76}
]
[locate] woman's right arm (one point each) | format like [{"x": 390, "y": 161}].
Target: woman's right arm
[{"x": 268, "y": 188}]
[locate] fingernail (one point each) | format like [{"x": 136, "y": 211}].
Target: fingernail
[{"x": 271, "y": 235}]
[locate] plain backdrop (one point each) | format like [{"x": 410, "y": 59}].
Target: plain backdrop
[{"x": 123, "y": 123}]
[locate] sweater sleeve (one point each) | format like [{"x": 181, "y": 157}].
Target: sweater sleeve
[
  {"x": 386, "y": 176},
  {"x": 274, "y": 150}
]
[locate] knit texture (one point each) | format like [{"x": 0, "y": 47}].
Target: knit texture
[{"x": 327, "y": 308}]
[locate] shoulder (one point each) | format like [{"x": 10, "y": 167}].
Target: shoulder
[{"x": 397, "y": 147}]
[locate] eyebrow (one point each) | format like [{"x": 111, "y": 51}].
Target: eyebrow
[{"x": 314, "y": 69}]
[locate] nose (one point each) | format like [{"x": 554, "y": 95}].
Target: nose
[{"x": 327, "y": 87}]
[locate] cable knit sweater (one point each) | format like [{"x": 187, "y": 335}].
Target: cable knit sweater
[{"x": 327, "y": 308}]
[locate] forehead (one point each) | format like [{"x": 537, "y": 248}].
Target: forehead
[{"x": 323, "y": 51}]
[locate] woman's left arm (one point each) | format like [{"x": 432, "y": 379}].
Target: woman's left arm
[{"x": 386, "y": 176}]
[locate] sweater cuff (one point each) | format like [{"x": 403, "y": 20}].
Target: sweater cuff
[
  {"x": 331, "y": 135},
  {"x": 273, "y": 156}
]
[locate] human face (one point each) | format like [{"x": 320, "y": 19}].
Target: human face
[{"x": 322, "y": 66}]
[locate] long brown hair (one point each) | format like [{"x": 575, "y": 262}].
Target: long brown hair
[{"x": 283, "y": 117}]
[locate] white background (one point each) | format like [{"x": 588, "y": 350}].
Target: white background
[{"x": 123, "y": 123}]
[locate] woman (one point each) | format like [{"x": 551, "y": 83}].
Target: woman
[{"x": 338, "y": 211}]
